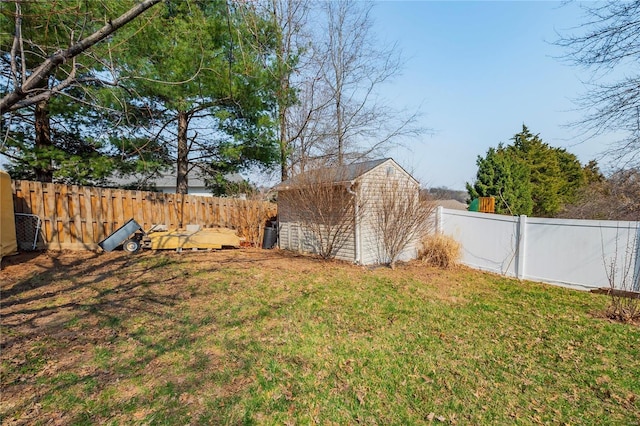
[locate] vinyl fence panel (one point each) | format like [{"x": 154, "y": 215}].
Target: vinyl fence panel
[
  {"x": 489, "y": 242},
  {"x": 581, "y": 254}
]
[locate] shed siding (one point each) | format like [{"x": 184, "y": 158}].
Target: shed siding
[
  {"x": 370, "y": 241},
  {"x": 293, "y": 236},
  {"x": 296, "y": 237}
]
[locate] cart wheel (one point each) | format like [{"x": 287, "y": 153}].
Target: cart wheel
[{"x": 131, "y": 245}]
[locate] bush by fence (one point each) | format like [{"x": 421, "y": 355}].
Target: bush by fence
[{"x": 77, "y": 217}]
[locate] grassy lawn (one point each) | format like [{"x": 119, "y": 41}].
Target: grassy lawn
[{"x": 264, "y": 337}]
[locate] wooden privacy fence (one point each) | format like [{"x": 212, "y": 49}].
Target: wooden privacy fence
[{"x": 78, "y": 217}]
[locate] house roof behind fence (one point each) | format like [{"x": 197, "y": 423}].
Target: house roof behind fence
[{"x": 169, "y": 180}]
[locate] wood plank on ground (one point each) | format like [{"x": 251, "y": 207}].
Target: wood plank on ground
[{"x": 215, "y": 238}]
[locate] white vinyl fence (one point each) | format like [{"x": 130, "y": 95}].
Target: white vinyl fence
[{"x": 582, "y": 254}]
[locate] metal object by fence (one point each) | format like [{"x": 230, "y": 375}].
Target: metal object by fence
[
  {"x": 27, "y": 230},
  {"x": 120, "y": 235}
]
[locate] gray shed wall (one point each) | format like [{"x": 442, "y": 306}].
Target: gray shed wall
[
  {"x": 294, "y": 236},
  {"x": 370, "y": 241}
]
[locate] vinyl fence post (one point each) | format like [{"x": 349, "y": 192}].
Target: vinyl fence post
[
  {"x": 439, "y": 227},
  {"x": 520, "y": 248},
  {"x": 636, "y": 272}
]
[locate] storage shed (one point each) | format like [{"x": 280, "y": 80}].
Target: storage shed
[
  {"x": 335, "y": 212},
  {"x": 8, "y": 243}
]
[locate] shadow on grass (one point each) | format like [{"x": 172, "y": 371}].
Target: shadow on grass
[
  {"x": 53, "y": 321},
  {"x": 57, "y": 290},
  {"x": 97, "y": 320}
]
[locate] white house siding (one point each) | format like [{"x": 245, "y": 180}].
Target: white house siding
[{"x": 202, "y": 192}]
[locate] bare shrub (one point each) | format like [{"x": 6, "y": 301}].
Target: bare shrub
[
  {"x": 249, "y": 217},
  {"x": 624, "y": 306},
  {"x": 325, "y": 207},
  {"x": 616, "y": 198},
  {"x": 623, "y": 275},
  {"x": 441, "y": 251},
  {"x": 401, "y": 217}
]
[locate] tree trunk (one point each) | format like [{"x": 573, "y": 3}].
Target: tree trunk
[
  {"x": 44, "y": 166},
  {"x": 282, "y": 94},
  {"x": 284, "y": 172},
  {"x": 182, "y": 165},
  {"x": 340, "y": 138}
]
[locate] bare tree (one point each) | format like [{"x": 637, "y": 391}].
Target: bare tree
[
  {"x": 609, "y": 41},
  {"x": 325, "y": 207},
  {"x": 305, "y": 128},
  {"x": 402, "y": 217},
  {"x": 614, "y": 198},
  {"x": 444, "y": 193},
  {"x": 623, "y": 274},
  {"x": 291, "y": 54},
  {"x": 347, "y": 120}
]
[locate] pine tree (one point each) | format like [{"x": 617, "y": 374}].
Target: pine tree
[
  {"x": 68, "y": 137},
  {"x": 555, "y": 174},
  {"x": 202, "y": 67},
  {"x": 505, "y": 177},
  {"x": 529, "y": 176}
]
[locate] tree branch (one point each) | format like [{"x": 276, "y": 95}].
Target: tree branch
[{"x": 21, "y": 96}]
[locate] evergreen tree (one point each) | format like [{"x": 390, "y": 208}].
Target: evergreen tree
[
  {"x": 530, "y": 176},
  {"x": 202, "y": 67},
  {"x": 505, "y": 177},
  {"x": 555, "y": 174},
  {"x": 68, "y": 137}
]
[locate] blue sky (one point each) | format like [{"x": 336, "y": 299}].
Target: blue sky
[{"x": 479, "y": 70}]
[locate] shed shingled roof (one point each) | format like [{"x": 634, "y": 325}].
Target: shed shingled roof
[{"x": 346, "y": 173}]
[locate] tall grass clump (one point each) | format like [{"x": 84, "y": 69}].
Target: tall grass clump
[{"x": 440, "y": 251}]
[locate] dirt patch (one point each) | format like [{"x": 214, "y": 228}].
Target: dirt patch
[{"x": 24, "y": 266}]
